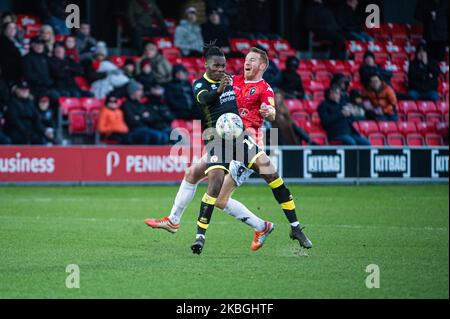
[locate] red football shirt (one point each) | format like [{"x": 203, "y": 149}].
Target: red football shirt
[{"x": 249, "y": 96}]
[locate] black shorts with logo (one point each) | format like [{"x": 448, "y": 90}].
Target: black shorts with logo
[{"x": 221, "y": 152}]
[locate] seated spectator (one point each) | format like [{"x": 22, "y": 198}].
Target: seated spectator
[
  {"x": 227, "y": 10},
  {"x": 71, "y": 48},
  {"x": 10, "y": 54},
  {"x": 351, "y": 22},
  {"x": 213, "y": 30},
  {"x": 381, "y": 99},
  {"x": 37, "y": 70},
  {"x": 111, "y": 123},
  {"x": 188, "y": 35},
  {"x": 337, "y": 120},
  {"x": 179, "y": 95},
  {"x": 423, "y": 76},
  {"x": 152, "y": 89},
  {"x": 129, "y": 68},
  {"x": 291, "y": 81},
  {"x": 145, "y": 19},
  {"x": 343, "y": 82},
  {"x": 369, "y": 67},
  {"x": 8, "y": 17},
  {"x": 85, "y": 42},
  {"x": 48, "y": 37},
  {"x": 23, "y": 123},
  {"x": 321, "y": 21},
  {"x": 289, "y": 133},
  {"x": 356, "y": 107},
  {"x": 63, "y": 70},
  {"x": 99, "y": 54},
  {"x": 47, "y": 118},
  {"x": 143, "y": 123},
  {"x": 161, "y": 67},
  {"x": 57, "y": 17}
]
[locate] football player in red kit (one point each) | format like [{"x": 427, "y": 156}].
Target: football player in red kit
[{"x": 255, "y": 100}]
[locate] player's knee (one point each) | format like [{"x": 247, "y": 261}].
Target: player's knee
[{"x": 190, "y": 176}]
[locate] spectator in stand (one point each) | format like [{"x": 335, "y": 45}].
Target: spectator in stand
[
  {"x": 10, "y": 54},
  {"x": 162, "y": 69},
  {"x": 320, "y": 20},
  {"x": 434, "y": 16},
  {"x": 57, "y": 16},
  {"x": 48, "y": 37},
  {"x": 8, "y": 17},
  {"x": 23, "y": 123},
  {"x": 291, "y": 81},
  {"x": 37, "y": 70},
  {"x": 350, "y": 20},
  {"x": 342, "y": 81},
  {"x": 289, "y": 133},
  {"x": 381, "y": 99},
  {"x": 423, "y": 75},
  {"x": 227, "y": 10},
  {"x": 63, "y": 70},
  {"x": 47, "y": 118},
  {"x": 337, "y": 120},
  {"x": 356, "y": 107},
  {"x": 111, "y": 123},
  {"x": 369, "y": 67},
  {"x": 146, "y": 76},
  {"x": 70, "y": 44},
  {"x": 85, "y": 42},
  {"x": 188, "y": 35},
  {"x": 142, "y": 122},
  {"x": 145, "y": 19},
  {"x": 129, "y": 68},
  {"x": 213, "y": 30},
  {"x": 100, "y": 53},
  {"x": 179, "y": 95}
]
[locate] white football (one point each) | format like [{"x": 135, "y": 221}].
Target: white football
[{"x": 229, "y": 126}]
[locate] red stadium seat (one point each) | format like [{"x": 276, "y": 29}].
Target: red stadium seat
[
  {"x": 82, "y": 83},
  {"x": 93, "y": 117},
  {"x": 415, "y": 117},
  {"x": 315, "y": 119},
  {"x": 311, "y": 106},
  {"x": 399, "y": 85},
  {"x": 433, "y": 117},
  {"x": 27, "y": 19},
  {"x": 424, "y": 128},
  {"x": 119, "y": 61},
  {"x": 426, "y": 106},
  {"x": 395, "y": 139},
  {"x": 306, "y": 76},
  {"x": 163, "y": 42},
  {"x": 324, "y": 76},
  {"x": 319, "y": 138},
  {"x": 171, "y": 25},
  {"x": 294, "y": 105},
  {"x": 67, "y": 103},
  {"x": 387, "y": 127},
  {"x": 240, "y": 45},
  {"x": 32, "y": 30},
  {"x": 377, "y": 139},
  {"x": 91, "y": 102},
  {"x": 77, "y": 121},
  {"x": 300, "y": 116},
  {"x": 368, "y": 127},
  {"x": 442, "y": 107},
  {"x": 414, "y": 139},
  {"x": 407, "y": 107},
  {"x": 317, "y": 65},
  {"x": 336, "y": 66},
  {"x": 309, "y": 127},
  {"x": 406, "y": 127},
  {"x": 433, "y": 139}
]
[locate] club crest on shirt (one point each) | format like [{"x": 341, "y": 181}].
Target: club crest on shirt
[
  {"x": 252, "y": 91},
  {"x": 198, "y": 85}
]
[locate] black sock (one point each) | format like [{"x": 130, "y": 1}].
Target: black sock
[
  {"x": 284, "y": 198},
  {"x": 204, "y": 217}
]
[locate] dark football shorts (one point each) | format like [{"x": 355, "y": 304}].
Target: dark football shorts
[{"x": 221, "y": 152}]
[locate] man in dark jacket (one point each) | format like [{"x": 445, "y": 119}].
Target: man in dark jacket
[
  {"x": 23, "y": 123},
  {"x": 337, "y": 120},
  {"x": 10, "y": 55},
  {"x": 63, "y": 70},
  {"x": 143, "y": 122},
  {"x": 423, "y": 76},
  {"x": 321, "y": 21},
  {"x": 37, "y": 70},
  {"x": 434, "y": 16},
  {"x": 291, "y": 82},
  {"x": 179, "y": 96}
]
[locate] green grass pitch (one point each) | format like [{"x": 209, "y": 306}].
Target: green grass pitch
[{"x": 402, "y": 229}]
